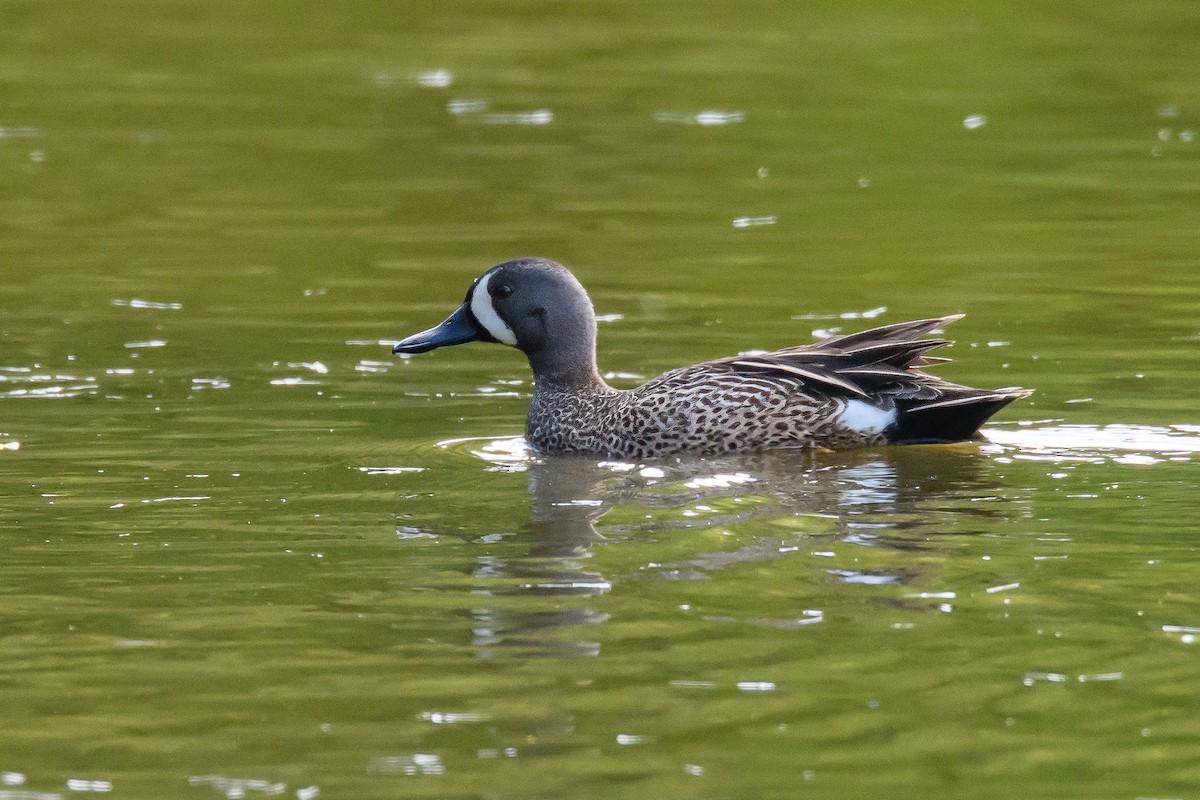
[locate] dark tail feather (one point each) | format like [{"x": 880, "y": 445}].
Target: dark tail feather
[{"x": 955, "y": 418}]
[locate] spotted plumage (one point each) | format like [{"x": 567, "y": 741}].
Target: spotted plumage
[{"x": 861, "y": 389}]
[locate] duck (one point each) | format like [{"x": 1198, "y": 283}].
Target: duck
[{"x": 861, "y": 389}]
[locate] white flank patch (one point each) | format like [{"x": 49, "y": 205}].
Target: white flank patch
[
  {"x": 866, "y": 418},
  {"x": 481, "y": 307}
]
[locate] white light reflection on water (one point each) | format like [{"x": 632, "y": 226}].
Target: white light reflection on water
[
  {"x": 1118, "y": 443},
  {"x": 870, "y": 313},
  {"x": 453, "y": 717},
  {"x": 874, "y": 483},
  {"x": 706, "y": 118},
  {"x": 542, "y": 116},
  {"x": 313, "y": 366},
  {"x": 150, "y": 304},
  {"x": 24, "y": 132},
  {"x": 811, "y": 616},
  {"x": 390, "y": 470},
  {"x": 752, "y": 222},
  {"x": 719, "y": 481},
  {"x": 1187, "y": 633},
  {"x": 406, "y": 532},
  {"x": 235, "y": 788},
  {"x": 755, "y": 686},
  {"x": 85, "y": 785},
  {"x": 29, "y": 383},
  {"x": 416, "y": 764},
  {"x": 466, "y": 106},
  {"x": 435, "y": 78},
  {"x": 865, "y": 578},
  {"x": 477, "y": 111},
  {"x": 486, "y": 391},
  {"x": 510, "y": 451},
  {"x": 1032, "y": 678}
]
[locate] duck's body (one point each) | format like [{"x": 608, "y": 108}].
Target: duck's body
[
  {"x": 699, "y": 409},
  {"x": 856, "y": 390},
  {"x": 815, "y": 396}
]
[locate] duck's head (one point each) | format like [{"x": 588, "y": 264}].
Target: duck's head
[{"x": 533, "y": 304}]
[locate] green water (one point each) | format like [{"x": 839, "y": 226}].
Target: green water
[{"x": 247, "y": 552}]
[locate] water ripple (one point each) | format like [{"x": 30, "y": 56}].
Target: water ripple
[
  {"x": 151, "y": 304},
  {"x": 28, "y": 383},
  {"x": 237, "y": 787},
  {"x": 704, "y": 118},
  {"x": 1097, "y": 444}
]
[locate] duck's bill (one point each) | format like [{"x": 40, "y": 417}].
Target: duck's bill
[{"x": 459, "y": 328}]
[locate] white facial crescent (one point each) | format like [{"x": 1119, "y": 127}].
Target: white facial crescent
[{"x": 485, "y": 312}]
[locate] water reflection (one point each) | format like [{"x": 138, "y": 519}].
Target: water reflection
[
  {"x": 764, "y": 507},
  {"x": 567, "y": 500},
  {"x": 892, "y": 488},
  {"x": 864, "y": 497}
]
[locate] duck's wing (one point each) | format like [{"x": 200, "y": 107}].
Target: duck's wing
[
  {"x": 877, "y": 362},
  {"x": 881, "y": 366}
]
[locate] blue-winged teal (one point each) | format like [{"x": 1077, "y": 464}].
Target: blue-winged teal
[{"x": 847, "y": 391}]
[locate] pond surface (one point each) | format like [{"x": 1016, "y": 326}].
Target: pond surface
[{"x": 247, "y": 552}]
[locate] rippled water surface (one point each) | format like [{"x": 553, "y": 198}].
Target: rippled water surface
[{"x": 247, "y": 552}]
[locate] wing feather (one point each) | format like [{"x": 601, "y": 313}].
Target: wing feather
[{"x": 880, "y": 362}]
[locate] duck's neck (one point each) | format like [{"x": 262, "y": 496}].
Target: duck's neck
[
  {"x": 577, "y": 373},
  {"x": 563, "y": 356}
]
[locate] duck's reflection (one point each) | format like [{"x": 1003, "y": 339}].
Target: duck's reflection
[
  {"x": 568, "y": 496},
  {"x": 871, "y": 497}
]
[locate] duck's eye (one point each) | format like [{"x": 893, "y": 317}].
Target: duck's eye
[{"x": 501, "y": 291}]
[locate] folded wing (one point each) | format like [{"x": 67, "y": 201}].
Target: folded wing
[{"x": 883, "y": 366}]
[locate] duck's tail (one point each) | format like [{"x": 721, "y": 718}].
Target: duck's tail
[{"x": 956, "y": 416}]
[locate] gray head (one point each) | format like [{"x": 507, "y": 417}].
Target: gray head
[{"x": 533, "y": 304}]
